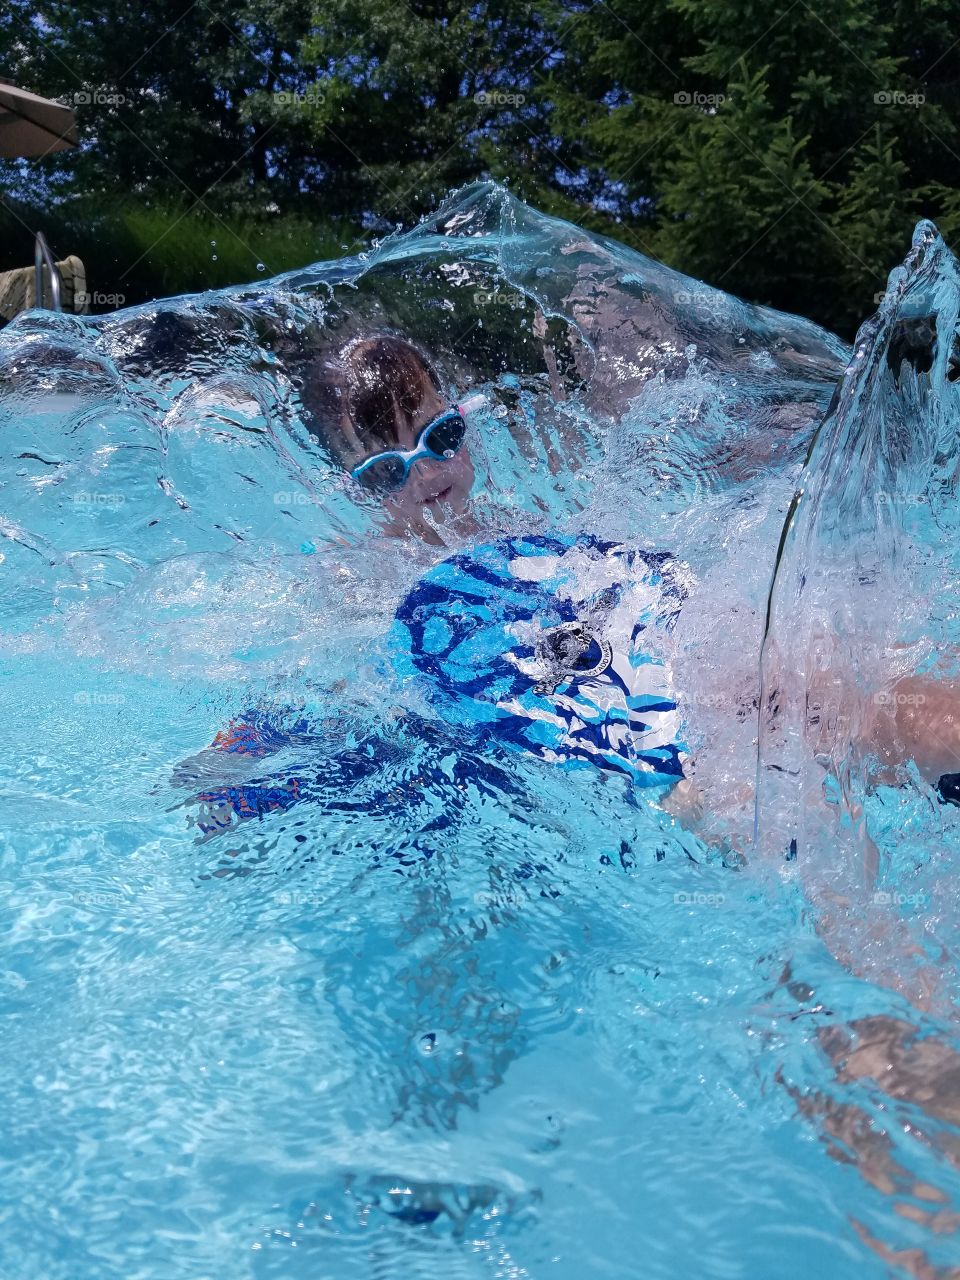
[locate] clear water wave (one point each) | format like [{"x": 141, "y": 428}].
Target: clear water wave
[{"x": 455, "y": 1011}]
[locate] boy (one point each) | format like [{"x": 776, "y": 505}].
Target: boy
[{"x": 379, "y": 408}]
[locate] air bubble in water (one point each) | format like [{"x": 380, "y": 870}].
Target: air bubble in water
[{"x": 260, "y": 266}]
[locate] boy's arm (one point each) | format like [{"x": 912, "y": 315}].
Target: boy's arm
[
  {"x": 919, "y": 720},
  {"x": 223, "y": 799},
  {"x": 250, "y": 736}
]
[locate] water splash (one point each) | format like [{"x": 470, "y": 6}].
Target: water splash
[
  {"x": 449, "y": 970},
  {"x": 620, "y": 396},
  {"x": 863, "y": 597}
]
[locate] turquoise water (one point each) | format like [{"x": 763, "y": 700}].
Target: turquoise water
[{"x": 457, "y": 1012}]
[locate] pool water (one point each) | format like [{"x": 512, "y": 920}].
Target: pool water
[{"x": 456, "y": 1011}]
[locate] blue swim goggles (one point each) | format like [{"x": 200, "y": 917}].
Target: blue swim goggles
[{"x": 440, "y": 439}]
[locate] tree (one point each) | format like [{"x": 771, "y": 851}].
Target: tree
[
  {"x": 405, "y": 101},
  {"x": 738, "y": 196},
  {"x": 762, "y": 183},
  {"x": 777, "y": 151},
  {"x": 874, "y": 229},
  {"x": 160, "y": 93}
]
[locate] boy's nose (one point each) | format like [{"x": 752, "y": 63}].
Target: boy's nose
[{"x": 427, "y": 468}]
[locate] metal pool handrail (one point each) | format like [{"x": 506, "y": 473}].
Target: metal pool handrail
[{"x": 41, "y": 255}]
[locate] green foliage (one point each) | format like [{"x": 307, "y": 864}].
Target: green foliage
[
  {"x": 764, "y": 200},
  {"x": 181, "y": 250},
  {"x": 133, "y": 252},
  {"x": 162, "y": 89},
  {"x": 872, "y": 231},
  {"x": 410, "y": 100},
  {"x": 779, "y": 151}
]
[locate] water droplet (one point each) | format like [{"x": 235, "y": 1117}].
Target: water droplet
[
  {"x": 213, "y": 244},
  {"x": 260, "y": 266},
  {"x": 213, "y": 257}
]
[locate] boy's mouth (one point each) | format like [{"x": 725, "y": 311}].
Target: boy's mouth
[{"x": 441, "y": 496}]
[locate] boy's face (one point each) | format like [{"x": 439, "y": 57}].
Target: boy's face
[{"x": 438, "y": 486}]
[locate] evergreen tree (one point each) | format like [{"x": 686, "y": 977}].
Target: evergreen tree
[
  {"x": 875, "y": 215},
  {"x": 778, "y": 151},
  {"x": 763, "y": 183},
  {"x": 740, "y": 204}
]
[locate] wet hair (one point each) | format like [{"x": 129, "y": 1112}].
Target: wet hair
[{"x": 375, "y": 380}]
